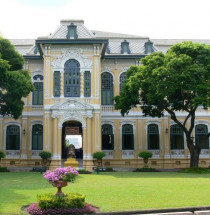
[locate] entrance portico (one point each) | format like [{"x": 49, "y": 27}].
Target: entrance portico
[{"x": 74, "y": 111}]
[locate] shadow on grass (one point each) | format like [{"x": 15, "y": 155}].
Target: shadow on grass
[
  {"x": 20, "y": 188},
  {"x": 151, "y": 175}
]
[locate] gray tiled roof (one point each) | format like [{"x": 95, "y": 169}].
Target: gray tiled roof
[
  {"x": 170, "y": 42},
  {"x": 164, "y": 44},
  {"x": 21, "y": 42},
  {"x": 62, "y": 30},
  {"x": 136, "y": 45},
  {"x": 103, "y": 34},
  {"x": 23, "y": 45}
]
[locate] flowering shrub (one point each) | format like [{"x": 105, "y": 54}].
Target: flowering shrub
[
  {"x": 61, "y": 174},
  {"x": 35, "y": 210},
  {"x": 70, "y": 200}
]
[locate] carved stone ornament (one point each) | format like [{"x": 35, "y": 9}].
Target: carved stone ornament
[
  {"x": 72, "y": 109},
  {"x": 125, "y": 68},
  {"x": 106, "y": 69},
  {"x": 72, "y": 53}
]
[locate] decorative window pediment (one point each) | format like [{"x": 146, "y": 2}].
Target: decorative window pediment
[{"x": 72, "y": 104}]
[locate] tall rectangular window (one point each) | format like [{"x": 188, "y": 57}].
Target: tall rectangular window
[
  {"x": 201, "y": 136},
  {"x": 153, "y": 137},
  {"x": 37, "y": 137},
  {"x": 87, "y": 84},
  {"x": 176, "y": 137},
  {"x": 57, "y": 80},
  {"x": 107, "y": 89},
  {"x": 13, "y": 137},
  {"x": 127, "y": 137},
  {"x": 38, "y": 93}
]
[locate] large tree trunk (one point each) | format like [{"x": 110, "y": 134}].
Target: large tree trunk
[{"x": 194, "y": 153}]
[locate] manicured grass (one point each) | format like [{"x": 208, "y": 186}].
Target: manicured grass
[{"x": 117, "y": 191}]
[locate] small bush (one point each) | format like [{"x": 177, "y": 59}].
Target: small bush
[
  {"x": 98, "y": 155},
  {"x": 4, "y": 169},
  {"x": 39, "y": 169},
  {"x": 84, "y": 171},
  {"x": 34, "y": 209},
  {"x": 103, "y": 169},
  {"x": 145, "y": 155},
  {"x": 198, "y": 170},
  {"x": 45, "y": 155},
  {"x": 109, "y": 169},
  {"x": 145, "y": 170},
  {"x": 2, "y": 155},
  {"x": 70, "y": 200}
]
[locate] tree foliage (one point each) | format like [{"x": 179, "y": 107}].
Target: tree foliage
[
  {"x": 176, "y": 81},
  {"x": 15, "y": 83}
]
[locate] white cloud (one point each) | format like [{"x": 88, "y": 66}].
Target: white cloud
[{"x": 156, "y": 19}]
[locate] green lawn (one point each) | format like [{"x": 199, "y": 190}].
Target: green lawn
[{"x": 117, "y": 191}]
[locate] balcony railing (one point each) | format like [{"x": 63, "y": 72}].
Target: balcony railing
[{"x": 107, "y": 108}]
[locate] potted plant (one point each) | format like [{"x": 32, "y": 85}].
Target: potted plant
[
  {"x": 145, "y": 155},
  {"x": 2, "y": 155},
  {"x": 60, "y": 176},
  {"x": 99, "y": 156},
  {"x": 45, "y": 157}
]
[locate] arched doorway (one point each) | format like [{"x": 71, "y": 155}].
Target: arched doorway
[{"x": 72, "y": 134}]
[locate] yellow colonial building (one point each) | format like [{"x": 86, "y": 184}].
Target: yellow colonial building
[{"x": 76, "y": 73}]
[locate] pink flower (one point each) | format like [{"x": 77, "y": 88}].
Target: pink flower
[{"x": 58, "y": 174}]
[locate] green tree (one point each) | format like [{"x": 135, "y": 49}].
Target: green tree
[
  {"x": 15, "y": 83},
  {"x": 176, "y": 81}
]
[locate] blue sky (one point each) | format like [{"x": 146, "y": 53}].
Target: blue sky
[{"x": 164, "y": 19}]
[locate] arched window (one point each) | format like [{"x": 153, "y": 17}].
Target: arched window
[
  {"x": 107, "y": 137},
  {"x": 37, "y": 137},
  {"x": 38, "y": 93},
  {"x": 38, "y": 78},
  {"x": 177, "y": 137},
  {"x": 122, "y": 80},
  {"x": 127, "y": 137},
  {"x": 201, "y": 136},
  {"x": 72, "y": 78},
  {"x": 106, "y": 89},
  {"x": 153, "y": 136},
  {"x": 13, "y": 137}
]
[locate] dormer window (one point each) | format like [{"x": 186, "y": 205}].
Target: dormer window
[
  {"x": 35, "y": 50},
  {"x": 107, "y": 49},
  {"x": 125, "y": 47},
  {"x": 149, "y": 47},
  {"x": 72, "y": 32}
]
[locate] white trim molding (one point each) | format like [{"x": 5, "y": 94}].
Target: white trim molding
[
  {"x": 128, "y": 154},
  {"x": 35, "y": 122},
  {"x": 156, "y": 122},
  {"x": 72, "y": 53},
  {"x": 5, "y": 136},
  {"x": 204, "y": 152},
  {"x": 72, "y": 109}
]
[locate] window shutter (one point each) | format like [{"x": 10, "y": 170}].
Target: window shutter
[
  {"x": 57, "y": 84},
  {"x": 87, "y": 84}
]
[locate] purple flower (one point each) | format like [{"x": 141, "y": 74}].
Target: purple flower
[{"x": 59, "y": 174}]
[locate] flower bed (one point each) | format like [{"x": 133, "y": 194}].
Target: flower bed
[{"x": 34, "y": 209}]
